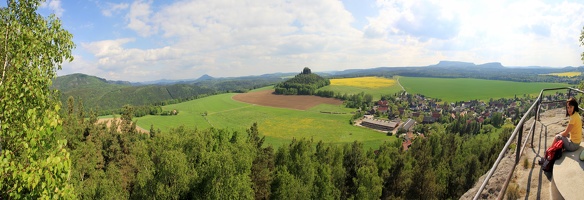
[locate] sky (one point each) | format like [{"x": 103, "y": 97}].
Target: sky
[{"x": 146, "y": 40}]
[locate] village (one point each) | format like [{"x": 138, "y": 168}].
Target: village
[{"x": 398, "y": 117}]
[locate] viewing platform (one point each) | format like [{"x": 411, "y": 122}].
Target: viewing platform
[
  {"x": 516, "y": 173},
  {"x": 568, "y": 176},
  {"x": 530, "y": 181},
  {"x": 566, "y": 181}
]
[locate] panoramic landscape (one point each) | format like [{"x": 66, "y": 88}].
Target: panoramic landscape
[{"x": 292, "y": 100}]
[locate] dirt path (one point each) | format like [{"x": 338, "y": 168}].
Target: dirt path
[{"x": 404, "y": 89}]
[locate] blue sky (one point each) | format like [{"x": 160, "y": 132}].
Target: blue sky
[{"x": 143, "y": 40}]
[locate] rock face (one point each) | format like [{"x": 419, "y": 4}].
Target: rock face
[{"x": 528, "y": 179}]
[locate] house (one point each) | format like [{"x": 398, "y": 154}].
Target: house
[
  {"x": 511, "y": 112},
  {"x": 401, "y": 110},
  {"x": 428, "y": 120},
  {"x": 406, "y": 144},
  {"x": 436, "y": 115},
  {"x": 382, "y": 109},
  {"x": 415, "y": 114},
  {"x": 408, "y": 125},
  {"x": 383, "y": 103}
]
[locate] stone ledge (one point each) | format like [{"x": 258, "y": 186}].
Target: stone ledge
[{"x": 568, "y": 176}]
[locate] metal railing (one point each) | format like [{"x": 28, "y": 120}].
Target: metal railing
[{"x": 532, "y": 111}]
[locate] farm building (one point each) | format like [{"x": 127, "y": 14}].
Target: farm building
[
  {"x": 408, "y": 125},
  {"x": 381, "y": 125}
]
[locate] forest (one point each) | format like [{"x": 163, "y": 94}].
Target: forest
[{"x": 119, "y": 162}]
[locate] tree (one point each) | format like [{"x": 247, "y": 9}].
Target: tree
[
  {"x": 582, "y": 43},
  {"x": 33, "y": 162},
  {"x": 497, "y": 119},
  {"x": 172, "y": 175},
  {"x": 368, "y": 99}
]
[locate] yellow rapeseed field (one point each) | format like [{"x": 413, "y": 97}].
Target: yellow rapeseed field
[
  {"x": 566, "y": 74},
  {"x": 364, "y": 82}
]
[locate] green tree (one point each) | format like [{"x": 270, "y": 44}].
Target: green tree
[
  {"x": 582, "y": 43},
  {"x": 33, "y": 162},
  {"x": 171, "y": 175},
  {"x": 263, "y": 164},
  {"x": 368, "y": 99},
  {"x": 296, "y": 160},
  {"x": 286, "y": 186},
  {"x": 395, "y": 170},
  {"x": 368, "y": 182},
  {"x": 497, "y": 119}
]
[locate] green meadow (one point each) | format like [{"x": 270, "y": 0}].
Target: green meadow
[
  {"x": 279, "y": 125},
  {"x": 462, "y": 89}
]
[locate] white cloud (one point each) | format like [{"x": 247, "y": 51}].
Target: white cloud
[
  {"x": 55, "y": 6},
  {"x": 227, "y": 38},
  {"x": 139, "y": 16},
  {"x": 252, "y": 37},
  {"x": 106, "y": 48},
  {"x": 113, "y": 8},
  {"x": 515, "y": 33}
]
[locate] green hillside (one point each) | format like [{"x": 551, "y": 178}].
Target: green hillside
[
  {"x": 110, "y": 96},
  {"x": 279, "y": 125},
  {"x": 462, "y": 89},
  {"x": 83, "y": 81},
  {"x": 89, "y": 89}
]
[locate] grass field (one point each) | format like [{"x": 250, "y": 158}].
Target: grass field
[
  {"x": 462, "y": 89},
  {"x": 279, "y": 125},
  {"x": 376, "y": 86},
  {"x": 566, "y": 74}
]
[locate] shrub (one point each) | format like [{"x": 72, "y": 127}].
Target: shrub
[{"x": 513, "y": 191}]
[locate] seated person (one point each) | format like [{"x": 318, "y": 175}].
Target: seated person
[{"x": 572, "y": 136}]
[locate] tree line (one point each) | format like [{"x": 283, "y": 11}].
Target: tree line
[{"x": 359, "y": 100}]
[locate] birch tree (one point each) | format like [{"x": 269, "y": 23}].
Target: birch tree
[{"x": 33, "y": 162}]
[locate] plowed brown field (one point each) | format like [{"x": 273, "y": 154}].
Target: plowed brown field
[{"x": 299, "y": 102}]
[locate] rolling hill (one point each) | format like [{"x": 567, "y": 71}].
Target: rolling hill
[{"x": 110, "y": 96}]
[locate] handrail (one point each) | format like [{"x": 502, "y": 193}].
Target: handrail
[{"x": 535, "y": 108}]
